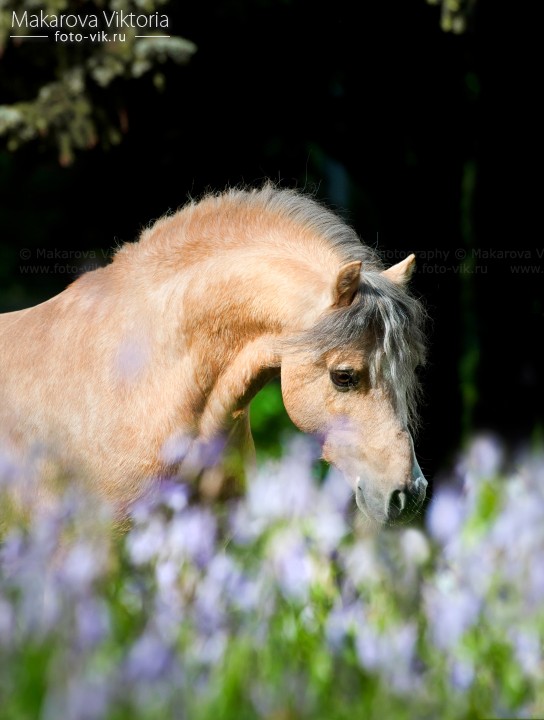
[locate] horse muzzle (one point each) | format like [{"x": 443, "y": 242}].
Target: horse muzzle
[{"x": 399, "y": 505}]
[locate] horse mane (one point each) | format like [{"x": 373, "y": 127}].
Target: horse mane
[
  {"x": 250, "y": 213},
  {"x": 384, "y": 316},
  {"x": 305, "y": 212}
]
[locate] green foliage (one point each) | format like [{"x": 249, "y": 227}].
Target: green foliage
[
  {"x": 454, "y": 14},
  {"x": 69, "y": 107},
  {"x": 269, "y": 420}
]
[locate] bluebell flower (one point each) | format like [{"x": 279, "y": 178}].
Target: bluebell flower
[{"x": 445, "y": 514}]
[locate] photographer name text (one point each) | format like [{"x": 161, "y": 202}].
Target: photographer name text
[{"x": 114, "y": 19}]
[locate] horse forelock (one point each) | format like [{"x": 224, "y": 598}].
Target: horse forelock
[{"x": 387, "y": 322}]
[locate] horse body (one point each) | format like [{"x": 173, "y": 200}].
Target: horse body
[{"x": 173, "y": 339}]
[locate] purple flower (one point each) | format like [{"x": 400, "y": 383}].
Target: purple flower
[
  {"x": 535, "y": 589},
  {"x": 167, "y": 574},
  {"x": 211, "y": 451},
  {"x": 193, "y": 454},
  {"x": 9, "y": 470},
  {"x": 209, "y": 650},
  {"x": 84, "y": 698},
  {"x": 92, "y": 622},
  {"x": 391, "y": 654},
  {"x": 7, "y": 622},
  {"x": 82, "y": 565},
  {"x": 133, "y": 358},
  {"x": 292, "y": 565},
  {"x": 149, "y": 659},
  {"x": 280, "y": 494},
  {"x": 219, "y": 587},
  {"x": 415, "y": 547},
  {"x": 336, "y": 492},
  {"x": 175, "y": 496},
  {"x": 176, "y": 448},
  {"x": 362, "y": 564},
  {"x": 485, "y": 456},
  {"x": 191, "y": 535},
  {"x": 328, "y": 530},
  {"x": 12, "y": 551},
  {"x": 285, "y": 490},
  {"x": 445, "y": 515},
  {"x": 145, "y": 542},
  {"x": 342, "y": 621},
  {"x": 451, "y": 611},
  {"x": 462, "y": 674},
  {"x": 482, "y": 462},
  {"x": 528, "y": 652}
]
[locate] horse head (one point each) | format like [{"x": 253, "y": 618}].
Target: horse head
[{"x": 351, "y": 378}]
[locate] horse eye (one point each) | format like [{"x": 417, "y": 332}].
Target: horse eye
[{"x": 343, "y": 379}]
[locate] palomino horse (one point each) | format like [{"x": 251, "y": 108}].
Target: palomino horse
[{"x": 174, "y": 338}]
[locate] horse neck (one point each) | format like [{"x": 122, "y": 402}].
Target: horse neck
[
  {"x": 224, "y": 307},
  {"x": 235, "y": 335}
]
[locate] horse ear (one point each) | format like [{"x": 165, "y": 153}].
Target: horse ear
[
  {"x": 402, "y": 271},
  {"x": 347, "y": 284}
]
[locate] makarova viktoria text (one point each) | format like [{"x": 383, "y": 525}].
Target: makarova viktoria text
[{"x": 114, "y": 19}]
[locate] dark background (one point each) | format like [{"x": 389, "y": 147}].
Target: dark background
[{"x": 423, "y": 140}]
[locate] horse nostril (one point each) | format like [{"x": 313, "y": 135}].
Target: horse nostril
[{"x": 397, "y": 503}]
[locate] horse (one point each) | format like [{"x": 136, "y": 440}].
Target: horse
[{"x": 167, "y": 345}]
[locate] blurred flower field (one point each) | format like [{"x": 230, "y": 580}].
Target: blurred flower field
[{"x": 281, "y": 605}]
